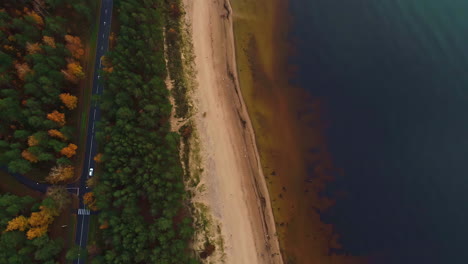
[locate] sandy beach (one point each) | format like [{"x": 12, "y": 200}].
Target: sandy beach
[{"x": 235, "y": 188}]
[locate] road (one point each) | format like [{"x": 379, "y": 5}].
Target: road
[{"x": 82, "y": 227}]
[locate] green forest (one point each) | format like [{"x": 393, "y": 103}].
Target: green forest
[
  {"x": 140, "y": 192},
  {"x": 138, "y": 189},
  {"x": 41, "y": 57}
]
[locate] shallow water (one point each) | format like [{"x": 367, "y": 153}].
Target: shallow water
[{"x": 392, "y": 75}]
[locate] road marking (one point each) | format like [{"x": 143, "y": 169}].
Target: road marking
[
  {"x": 102, "y": 47},
  {"x": 100, "y": 61},
  {"x": 90, "y": 151},
  {"x": 81, "y": 235},
  {"x": 94, "y": 116},
  {"x": 93, "y": 127}
]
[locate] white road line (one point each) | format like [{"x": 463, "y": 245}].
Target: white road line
[
  {"x": 94, "y": 116},
  {"x": 81, "y": 236},
  {"x": 93, "y": 127},
  {"x": 100, "y": 61},
  {"x": 90, "y": 151}
]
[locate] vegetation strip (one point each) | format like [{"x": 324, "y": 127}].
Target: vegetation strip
[{"x": 140, "y": 191}]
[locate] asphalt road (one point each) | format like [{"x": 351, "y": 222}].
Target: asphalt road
[{"x": 82, "y": 227}]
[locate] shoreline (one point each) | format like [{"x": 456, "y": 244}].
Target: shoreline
[{"x": 236, "y": 190}]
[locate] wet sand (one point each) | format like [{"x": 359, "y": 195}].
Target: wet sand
[{"x": 235, "y": 188}]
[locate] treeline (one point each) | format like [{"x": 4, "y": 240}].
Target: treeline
[
  {"x": 140, "y": 189},
  {"x": 24, "y": 222},
  {"x": 40, "y": 71}
]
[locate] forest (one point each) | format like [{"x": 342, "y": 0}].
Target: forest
[
  {"x": 40, "y": 72},
  {"x": 140, "y": 191}
]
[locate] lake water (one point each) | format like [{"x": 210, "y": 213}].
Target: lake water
[{"x": 394, "y": 78}]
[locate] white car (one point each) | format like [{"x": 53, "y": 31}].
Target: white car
[{"x": 91, "y": 172}]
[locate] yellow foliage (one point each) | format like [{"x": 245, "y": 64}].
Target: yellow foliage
[
  {"x": 32, "y": 141},
  {"x": 69, "y": 151},
  {"x": 33, "y": 48},
  {"x": 105, "y": 225},
  {"x": 49, "y": 41},
  {"x": 70, "y": 101},
  {"x": 74, "y": 72},
  {"x": 57, "y": 117},
  {"x": 29, "y": 156},
  {"x": 36, "y": 232},
  {"x": 98, "y": 158},
  {"x": 37, "y": 18},
  {"x": 60, "y": 174},
  {"x": 22, "y": 70},
  {"x": 74, "y": 46},
  {"x": 19, "y": 223},
  {"x": 90, "y": 201},
  {"x": 55, "y": 133}
]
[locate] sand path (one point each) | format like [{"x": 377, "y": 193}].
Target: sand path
[{"x": 235, "y": 187}]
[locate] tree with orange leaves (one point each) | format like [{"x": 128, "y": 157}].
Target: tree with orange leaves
[
  {"x": 19, "y": 223},
  {"x": 34, "y": 232},
  {"x": 70, "y": 101},
  {"x": 105, "y": 225},
  {"x": 74, "y": 46},
  {"x": 33, "y": 48},
  {"x": 60, "y": 174},
  {"x": 37, "y": 18},
  {"x": 57, "y": 117},
  {"x": 90, "y": 201},
  {"x": 49, "y": 41},
  {"x": 22, "y": 69},
  {"x": 74, "y": 72},
  {"x": 57, "y": 134},
  {"x": 32, "y": 141},
  {"x": 69, "y": 151},
  {"x": 98, "y": 158},
  {"x": 29, "y": 156}
]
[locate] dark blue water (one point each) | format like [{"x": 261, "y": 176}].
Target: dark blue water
[{"x": 394, "y": 74}]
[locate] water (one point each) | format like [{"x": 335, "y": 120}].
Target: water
[{"x": 394, "y": 75}]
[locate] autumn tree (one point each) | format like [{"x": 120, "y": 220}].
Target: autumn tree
[
  {"x": 33, "y": 48},
  {"x": 98, "y": 158},
  {"x": 57, "y": 117},
  {"x": 60, "y": 195},
  {"x": 60, "y": 174},
  {"x": 29, "y": 156},
  {"x": 18, "y": 223},
  {"x": 90, "y": 201},
  {"x": 40, "y": 221},
  {"x": 70, "y": 101},
  {"x": 57, "y": 134},
  {"x": 22, "y": 69},
  {"x": 49, "y": 41},
  {"x": 37, "y": 18},
  {"x": 69, "y": 151},
  {"x": 74, "y": 46},
  {"x": 32, "y": 141},
  {"x": 74, "y": 72}
]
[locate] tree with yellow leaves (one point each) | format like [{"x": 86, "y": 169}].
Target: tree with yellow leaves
[
  {"x": 33, "y": 48},
  {"x": 32, "y": 141},
  {"x": 74, "y": 72},
  {"x": 98, "y": 158},
  {"x": 57, "y": 117},
  {"x": 19, "y": 223},
  {"x": 49, "y": 41},
  {"x": 69, "y": 151},
  {"x": 90, "y": 201},
  {"x": 37, "y": 18},
  {"x": 60, "y": 174},
  {"x": 29, "y": 156},
  {"x": 57, "y": 134},
  {"x": 22, "y": 69},
  {"x": 74, "y": 46},
  {"x": 70, "y": 101},
  {"x": 36, "y": 232}
]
